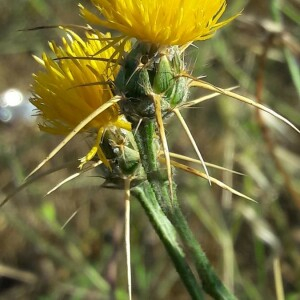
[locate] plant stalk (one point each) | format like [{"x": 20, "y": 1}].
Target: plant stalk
[
  {"x": 167, "y": 235},
  {"x": 147, "y": 143}
]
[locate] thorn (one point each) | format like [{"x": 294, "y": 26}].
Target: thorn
[
  {"x": 163, "y": 140},
  {"x": 191, "y": 138},
  {"x": 81, "y": 125}
]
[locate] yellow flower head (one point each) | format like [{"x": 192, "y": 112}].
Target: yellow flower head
[
  {"x": 69, "y": 89},
  {"x": 160, "y": 22},
  {"x": 60, "y": 92}
]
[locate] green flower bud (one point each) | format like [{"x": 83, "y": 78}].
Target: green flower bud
[
  {"x": 163, "y": 81},
  {"x": 121, "y": 151},
  {"x": 146, "y": 71}
]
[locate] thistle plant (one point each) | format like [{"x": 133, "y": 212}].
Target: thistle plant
[{"x": 122, "y": 90}]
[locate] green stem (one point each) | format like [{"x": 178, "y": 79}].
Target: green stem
[
  {"x": 147, "y": 145},
  {"x": 211, "y": 282},
  {"x": 167, "y": 235}
]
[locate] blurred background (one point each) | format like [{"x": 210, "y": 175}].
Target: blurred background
[{"x": 69, "y": 245}]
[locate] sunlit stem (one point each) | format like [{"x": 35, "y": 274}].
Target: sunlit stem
[
  {"x": 278, "y": 279},
  {"x": 127, "y": 235}
]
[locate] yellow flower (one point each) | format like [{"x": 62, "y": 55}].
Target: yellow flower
[
  {"x": 70, "y": 89},
  {"x": 160, "y": 22}
]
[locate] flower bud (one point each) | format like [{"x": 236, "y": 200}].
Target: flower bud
[{"x": 146, "y": 71}]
